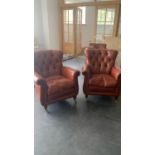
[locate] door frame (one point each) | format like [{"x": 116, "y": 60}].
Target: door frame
[
  {"x": 62, "y": 28},
  {"x": 96, "y": 4},
  {"x": 74, "y": 26},
  {"x": 76, "y": 18}
]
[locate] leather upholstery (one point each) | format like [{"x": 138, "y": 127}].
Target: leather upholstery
[
  {"x": 53, "y": 82},
  {"x": 97, "y": 45},
  {"x": 101, "y": 77},
  {"x": 100, "y": 60},
  {"x": 70, "y": 73},
  {"x": 116, "y": 72},
  {"x": 48, "y": 63},
  {"x": 103, "y": 80},
  {"x": 57, "y": 84}
]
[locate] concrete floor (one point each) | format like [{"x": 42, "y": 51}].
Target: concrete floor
[{"x": 92, "y": 127}]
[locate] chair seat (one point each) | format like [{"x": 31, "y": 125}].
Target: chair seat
[
  {"x": 59, "y": 84},
  {"x": 104, "y": 80}
]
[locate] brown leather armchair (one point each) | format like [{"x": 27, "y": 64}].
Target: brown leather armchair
[
  {"x": 53, "y": 81},
  {"x": 101, "y": 77}
]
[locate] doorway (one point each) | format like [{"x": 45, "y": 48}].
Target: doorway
[{"x": 72, "y": 22}]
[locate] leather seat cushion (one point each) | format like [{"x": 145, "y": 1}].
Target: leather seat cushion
[
  {"x": 59, "y": 84},
  {"x": 104, "y": 80},
  {"x": 96, "y": 89},
  {"x": 61, "y": 94}
]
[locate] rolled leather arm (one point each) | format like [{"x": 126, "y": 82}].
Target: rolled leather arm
[
  {"x": 116, "y": 72},
  {"x": 86, "y": 70},
  {"x": 38, "y": 79},
  {"x": 70, "y": 73}
]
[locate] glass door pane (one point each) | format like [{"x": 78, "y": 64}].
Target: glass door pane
[
  {"x": 78, "y": 30},
  {"x": 68, "y": 32}
]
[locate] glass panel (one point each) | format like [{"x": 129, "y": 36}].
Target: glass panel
[
  {"x": 77, "y": 1},
  {"x": 108, "y": 29},
  {"x": 110, "y": 15},
  {"x": 100, "y": 22},
  {"x": 65, "y": 16},
  {"x": 70, "y": 37},
  {"x": 100, "y": 28},
  {"x": 109, "y": 23},
  {"x": 70, "y": 15},
  {"x": 83, "y": 14},
  {"x": 78, "y": 18},
  {"x": 66, "y": 37},
  {"x": 99, "y": 37},
  {"x": 101, "y": 15},
  {"x": 66, "y": 28},
  {"x": 70, "y": 28},
  {"x": 105, "y": 22}
]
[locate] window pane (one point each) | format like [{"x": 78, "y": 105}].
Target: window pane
[
  {"x": 110, "y": 15},
  {"x": 101, "y": 14},
  {"x": 109, "y": 23},
  {"x": 99, "y": 37},
  {"x": 108, "y": 29},
  {"x": 66, "y": 37},
  {"x": 70, "y": 37},
  {"x": 100, "y": 28},
  {"x": 70, "y": 28},
  {"x": 101, "y": 22},
  {"x": 70, "y": 15},
  {"x": 83, "y": 14},
  {"x": 105, "y": 22},
  {"x": 66, "y": 28},
  {"x": 66, "y": 16}
]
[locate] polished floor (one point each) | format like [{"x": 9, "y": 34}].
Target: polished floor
[{"x": 92, "y": 127}]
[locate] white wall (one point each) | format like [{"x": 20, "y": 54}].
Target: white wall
[
  {"x": 54, "y": 26},
  {"x": 38, "y": 24},
  {"x": 46, "y": 21},
  {"x": 88, "y": 28}
]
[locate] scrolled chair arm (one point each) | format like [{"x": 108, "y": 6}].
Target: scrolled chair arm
[
  {"x": 86, "y": 70},
  {"x": 116, "y": 72},
  {"x": 38, "y": 79},
  {"x": 70, "y": 73}
]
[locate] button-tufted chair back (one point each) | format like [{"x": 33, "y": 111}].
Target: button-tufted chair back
[
  {"x": 48, "y": 62},
  {"x": 97, "y": 45},
  {"x": 100, "y": 60}
]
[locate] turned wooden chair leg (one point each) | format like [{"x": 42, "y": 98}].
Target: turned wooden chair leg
[
  {"x": 45, "y": 106},
  {"x": 116, "y": 99},
  {"x": 75, "y": 99},
  {"x": 86, "y": 96}
]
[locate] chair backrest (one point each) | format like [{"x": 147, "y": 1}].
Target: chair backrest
[
  {"x": 100, "y": 60},
  {"x": 97, "y": 45},
  {"x": 48, "y": 62}
]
